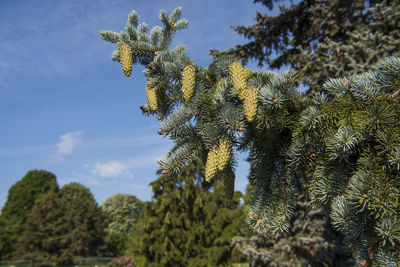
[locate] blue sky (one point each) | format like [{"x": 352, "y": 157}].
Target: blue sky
[{"x": 67, "y": 108}]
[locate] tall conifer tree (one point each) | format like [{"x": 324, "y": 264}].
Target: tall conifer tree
[
  {"x": 341, "y": 144},
  {"x": 188, "y": 225}
]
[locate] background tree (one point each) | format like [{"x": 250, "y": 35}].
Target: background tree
[
  {"x": 341, "y": 145},
  {"x": 20, "y": 199},
  {"x": 44, "y": 240},
  {"x": 86, "y": 229},
  {"x": 121, "y": 213},
  {"x": 322, "y": 39},
  {"x": 186, "y": 224}
]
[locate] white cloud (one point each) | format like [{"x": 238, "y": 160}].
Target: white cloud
[
  {"x": 68, "y": 142},
  {"x": 111, "y": 169}
]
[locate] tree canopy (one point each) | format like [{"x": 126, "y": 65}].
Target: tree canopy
[
  {"x": 86, "y": 228},
  {"x": 20, "y": 200},
  {"x": 121, "y": 214}
]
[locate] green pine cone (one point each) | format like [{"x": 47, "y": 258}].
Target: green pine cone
[
  {"x": 224, "y": 152},
  {"x": 211, "y": 164},
  {"x": 250, "y": 103},
  {"x": 125, "y": 58},
  {"x": 151, "y": 95},
  {"x": 238, "y": 76},
  {"x": 188, "y": 82}
]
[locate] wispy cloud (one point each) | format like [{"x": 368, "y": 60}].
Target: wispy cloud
[
  {"x": 111, "y": 169},
  {"x": 68, "y": 142}
]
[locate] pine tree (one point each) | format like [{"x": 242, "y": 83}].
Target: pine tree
[
  {"x": 188, "y": 225},
  {"x": 20, "y": 199},
  {"x": 341, "y": 144},
  {"x": 339, "y": 37}
]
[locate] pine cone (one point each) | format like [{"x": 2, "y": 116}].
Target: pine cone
[
  {"x": 211, "y": 164},
  {"x": 188, "y": 82},
  {"x": 125, "y": 58},
  {"x": 151, "y": 95},
  {"x": 224, "y": 152},
  {"x": 247, "y": 74},
  {"x": 238, "y": 76},
  {"x": 250, "y": 103}
]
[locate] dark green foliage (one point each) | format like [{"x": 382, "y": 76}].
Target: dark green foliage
[
  {"x": 116, "y": 243},
  {"x": 310, "y": 241},
  {"x": 341, "y": 145},
  {"x": 121, "y": 213},
  {"x": 86, "y": 229},
  {"x": 62, "y": 226},
  {"x": 187, "y": 225},
  {"x": 45, "y": 239},
  {"x": 323, "y": 39},
  {"x": 20, "y": 199}
]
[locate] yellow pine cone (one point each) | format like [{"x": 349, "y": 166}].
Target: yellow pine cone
[
  {"x": 224, "y": 152},
  {"x": 247, "y": 74},
  {"x": 188, "y": 82},
  {"x": 211, "y": 164},
  {"x": 238, "y": 76},
  {"x": 151, "y": 95},
  {"x": 241, "y": 94},
  {"x": 250, "y": 103},
  {"x": 125, "y": 58}
]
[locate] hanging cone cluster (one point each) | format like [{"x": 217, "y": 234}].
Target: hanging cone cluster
[
  {"x": 211, "y": 164},
  {"x": 188, "y": 82},
  {"x": 238, "y": 76},
  {"x": 250, "y": 103},
  {"x": 224, "y": 152},
  {"x": 151, "y": 95},
  {"x": 125, "y": 58}
]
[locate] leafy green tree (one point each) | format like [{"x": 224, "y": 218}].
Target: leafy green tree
[
  {"x": 341, "y": 144},
  {"x": 188, "y": 225},
  {"x": 322, "y": 39},
  {"x": 20, "y": 199},
  {"x": 86, "y": 229},
  {"x": 121, "y": 213},
  {"x": 45, "y": 238}
]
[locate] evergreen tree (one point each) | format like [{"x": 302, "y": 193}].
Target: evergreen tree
[
  {"x": 20, "y": 199},
  {"x": 188, "y": 225},
  {"x": 342, "y": 144},
  {"x": 86, "y": 229},
  {"x": 121, "y": 213},
  {"x": 44, "y": 239},
  {"x": 322, "y": 39}
]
